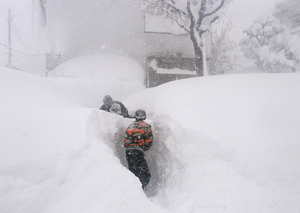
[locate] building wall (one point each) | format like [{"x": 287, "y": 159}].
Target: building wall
[
  {"x": 76, "y": 28},
  {"x": 167, "y": 44},
  {"x": 288, "y": 12}
]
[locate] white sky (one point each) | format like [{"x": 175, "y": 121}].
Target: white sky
[{"x": 243, "y": 12}]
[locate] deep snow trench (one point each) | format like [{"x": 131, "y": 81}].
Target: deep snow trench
[{"x": 110, "y": 129}]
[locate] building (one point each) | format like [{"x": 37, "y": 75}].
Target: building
[
  {"x": 288, "y": 12},
  {"x": 75, "y": 28}
]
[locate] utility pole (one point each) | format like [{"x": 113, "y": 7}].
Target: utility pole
[{"x": 9, "y": 39}]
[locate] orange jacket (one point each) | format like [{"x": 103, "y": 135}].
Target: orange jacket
[{"x": 138, "y": 136}]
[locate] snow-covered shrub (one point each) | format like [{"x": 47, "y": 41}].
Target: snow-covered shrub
[{"x": 271, "y": 45}]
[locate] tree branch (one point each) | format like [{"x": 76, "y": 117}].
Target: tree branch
[
  {"x": 258, "y": 41},
  {"x": 214, "y": 19},
  {"x": 171, "y": 4},
  {"x": 182, "y": 26},
  {"x": 216, "y": 10},
  {"x": 190, "y": 14},
  {"x": 257, "y": 56}
]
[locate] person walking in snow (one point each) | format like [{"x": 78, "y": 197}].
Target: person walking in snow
[
  {"x": 138, "y": 139},
  {"x": 116, "y": 107}
]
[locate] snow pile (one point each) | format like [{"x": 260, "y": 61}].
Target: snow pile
[
  {"x": 99, "y": 75},
  {"x": 221, "y": 144}
]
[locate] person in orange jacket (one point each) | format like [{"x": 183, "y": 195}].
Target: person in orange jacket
[{"x": 138, "y": 139}]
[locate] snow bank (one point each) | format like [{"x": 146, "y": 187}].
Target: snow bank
[
  {"x": 234, "y": 141},
  {"x": 57, "y": 156}
]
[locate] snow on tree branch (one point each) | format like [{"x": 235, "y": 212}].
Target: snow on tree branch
[{"x": 271, "y": 45}]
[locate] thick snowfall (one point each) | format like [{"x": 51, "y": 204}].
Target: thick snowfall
[{"x": 227, "y": 143}]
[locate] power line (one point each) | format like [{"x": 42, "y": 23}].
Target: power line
[
  {"x": 21, "y": 52},
  {"x": 20, "y": 13},
  {"x": 18, "y": 36},
  {"x": 9, "y": 38},
  {"x": 13, "y": 28}
]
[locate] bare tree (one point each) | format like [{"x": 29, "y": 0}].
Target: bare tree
[
  {"x": 225, "y": 52},
  {"x": 194, "y": 16}
]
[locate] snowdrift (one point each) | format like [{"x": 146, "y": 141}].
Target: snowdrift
[{"x": 89, "y": 78}]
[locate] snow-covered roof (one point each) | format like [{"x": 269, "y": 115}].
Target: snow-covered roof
[{"x": 175, "y": 71}]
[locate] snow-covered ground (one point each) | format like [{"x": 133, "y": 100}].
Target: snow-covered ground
[{"x": 221, "y": 143}]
